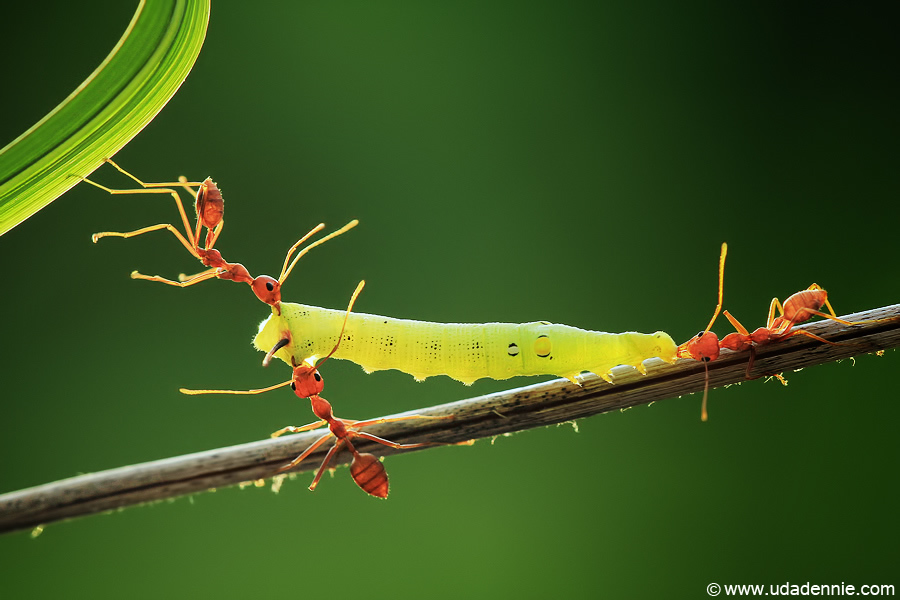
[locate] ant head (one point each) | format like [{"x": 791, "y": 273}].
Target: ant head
[
  {"x": 703, "y": 346},
  {"x": 267, "y": 289},
  {"x": 307, "y": 381},
  {"x": 210, "y": 205}
]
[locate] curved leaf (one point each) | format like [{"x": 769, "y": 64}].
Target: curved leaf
[{"x": 110, "y": 107}]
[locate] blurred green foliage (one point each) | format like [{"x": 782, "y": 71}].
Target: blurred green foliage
[{"x": 579, "y": 163}]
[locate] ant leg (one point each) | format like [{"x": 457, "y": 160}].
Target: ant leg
[
  {"x": 154, "y": 188},
  {"x": 390, "y": 444},
  {"x": 213, "y": 236},
  {"x": 747, "y": 375},
  {"x": 357, "y": 424},
  {"x": 832, "y": 316},
  {"x": 736, "y": 324},
  {"x": 204, "y": 274},
  {"x": 784, "y": 337},
  {"x": 811, "y": 335},
  {"x": 144, "y": 230},
  {"x": 312, "y": 448},
  {"x": 195, "y": 279},
  {"x": 325, "y": 461},
  {"x": 182, "y": 180},
  {"x": 775, "y": 304},
  {"x": 819, "y": 288},
  {"x": 750, "y": 363},
  {"x": 184, "y": 219},
  {"x": 292, "y": 429}
]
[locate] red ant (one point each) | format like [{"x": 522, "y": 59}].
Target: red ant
[
  {"x": 797, "y": 308},
  {"x": 210, "y": 208},
  {"x": 366, "y": 469},
  {"x": 705, "y": 345},
  {"x": 209, "y": 205}
]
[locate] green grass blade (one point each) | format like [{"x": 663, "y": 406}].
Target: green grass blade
[{"x": 110, "y": 107}]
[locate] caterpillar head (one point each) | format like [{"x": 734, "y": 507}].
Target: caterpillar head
[{"x": 660, "y": 345}]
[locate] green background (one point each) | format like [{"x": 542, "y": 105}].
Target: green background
[{"x": 573, "y": 162}]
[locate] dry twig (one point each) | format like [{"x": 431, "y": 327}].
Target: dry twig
[{"x": 538, "y": 405}]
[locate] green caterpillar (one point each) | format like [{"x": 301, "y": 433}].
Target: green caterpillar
[
  {"x": 466, "y": 352},
  {"x": 463, "y": 351}
]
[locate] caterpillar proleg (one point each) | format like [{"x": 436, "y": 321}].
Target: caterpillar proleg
[{"x": 463, "y": 351}]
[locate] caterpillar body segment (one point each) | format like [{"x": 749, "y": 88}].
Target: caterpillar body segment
[{"x": 463, "y": 351}]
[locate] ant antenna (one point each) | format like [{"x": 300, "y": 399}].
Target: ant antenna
[
  {"x": 287, "y": 271},
  {"x": 721, "y": 286}
]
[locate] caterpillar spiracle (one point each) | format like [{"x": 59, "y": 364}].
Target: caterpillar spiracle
[{"x": 463, "y": 351}]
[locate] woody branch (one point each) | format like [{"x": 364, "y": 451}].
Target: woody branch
[{"x": 514, "y": 410}]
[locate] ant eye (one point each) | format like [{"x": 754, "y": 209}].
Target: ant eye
[
  {"x": 705, "y": 359},
  {"x": 700, "y": 335},
  {"x": 317, "y": 376},
  {"x": 269, "y": 286},
  {"x": 293, "y": 386}
]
